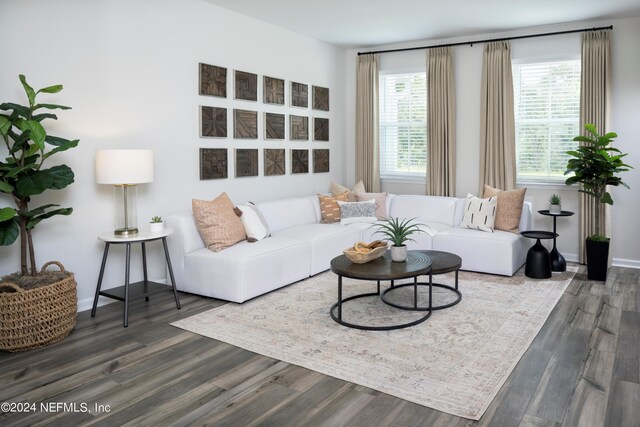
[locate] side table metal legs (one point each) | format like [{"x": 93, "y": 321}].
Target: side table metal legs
[
  {"x": 538, "y": 262},
  {"x": 104, "y": 262},
  {"x": 173, "y": 280}
]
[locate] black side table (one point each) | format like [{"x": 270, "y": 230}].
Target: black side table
[
  {"x": 558, "y": 262},
  {"x": 538, "y": 260},
  {"x": 143, "y": 288}
]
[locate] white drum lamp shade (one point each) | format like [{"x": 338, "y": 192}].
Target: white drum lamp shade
[{"x": 124, "y": 169}]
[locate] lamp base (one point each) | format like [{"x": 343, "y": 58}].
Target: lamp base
[{"x": 126, "y": 232}]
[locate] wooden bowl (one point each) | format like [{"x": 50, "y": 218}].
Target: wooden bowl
[{"x": 360, "y": 258}]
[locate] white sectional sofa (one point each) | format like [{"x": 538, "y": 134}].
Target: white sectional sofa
[{"x": 300, "y": 246}]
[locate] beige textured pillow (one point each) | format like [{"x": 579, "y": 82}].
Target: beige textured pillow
[
  {"x": 381, "y": 202},
  {"x": 329, "y": 208},
  {"x": 509, "y": 207},
  {"x": 337, "y": 190},
  {"x": 217, "y": 222}
]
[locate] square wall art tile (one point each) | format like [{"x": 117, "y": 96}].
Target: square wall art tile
[
  {"x": 213, "y": 163},
  {"x": 320, "y": 160},
  {"x": 213, "y": 122},
  {"x": 213, "y": 80},
  {"x": 299, "y": 95},
  {"x": 246, "y": 162},
  {"x": 273, "y": 91},
  {"x": 274, "y": 161},
  {"x": 299, "y": 161},
  {"x": 320, "y": 129},
  {"x": 246, "y": 86},
  {"x": 245, "y": 124},
  {"x": 273, "y": 126},
  {"x": 320, "y": 98},
  {"x": 299, "y": 128}
]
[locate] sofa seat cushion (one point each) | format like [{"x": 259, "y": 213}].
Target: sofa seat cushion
[
  {"x": 499, "y": 252},
  {"x": 327, "y": 241},
  {"x": 246, "y": 270}
]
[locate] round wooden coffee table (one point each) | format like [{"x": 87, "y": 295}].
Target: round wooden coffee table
[
  {"x": 417, "y": 264},
  {"x": 441, "y": 263}
]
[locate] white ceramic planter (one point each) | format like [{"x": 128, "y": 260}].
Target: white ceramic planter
[
  {"x": 156, "y": 227},
  {"x": 398, "y": 253},
  {"x": 555, "y": 209}
]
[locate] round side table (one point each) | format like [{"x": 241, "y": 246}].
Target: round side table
[
  {"x": 538, "y": 261},
  {"x": 558, "y": 262}
]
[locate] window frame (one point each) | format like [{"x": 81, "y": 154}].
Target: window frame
[
  {"x": 530, "y": 181},
  {"x": 400, "y": 177}
]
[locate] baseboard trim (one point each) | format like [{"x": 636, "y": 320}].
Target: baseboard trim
[{"x": 629, "y": 263}]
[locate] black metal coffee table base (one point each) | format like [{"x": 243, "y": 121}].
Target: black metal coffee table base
[
  {"x": 435, "y": 307},
  {"x": 336, "y": 309}
]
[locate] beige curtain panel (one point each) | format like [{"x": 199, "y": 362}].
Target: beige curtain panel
[
  {"x": 497, "y": 126},
  {"x": 441, "y": 123},
  {"x": 367, "y": 119},
  {"x": 595, "y": 107}
]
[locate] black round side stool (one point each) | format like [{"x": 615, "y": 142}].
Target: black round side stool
[{"x": 538, "y": 259}]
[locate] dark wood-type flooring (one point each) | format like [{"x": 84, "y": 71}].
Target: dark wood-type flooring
[{"x": 583, "y": 369}]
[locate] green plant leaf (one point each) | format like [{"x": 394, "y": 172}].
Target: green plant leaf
[
  {"x": 5, "y": 125},
  {"x": 37, "y": 211},
  {"x": 6, "y": 214},
  {"x": 5, "y": 188},
  {"x": 51, "y": 89},
  {"x": 51, "y": 107},
  {"x": 35, "y": 220},
  {"x": 31, "y": 94},
  {"x": 591, "y": 128},
  {"x": 42, "y": 116},
  {"x": 17, "y": 108},
  {"x": 37, "y": 132},
  {"x": 35, "y": 182},
  {"x": 64, "y": 147},
  {"x": 606, "y": 198},
  {"x": 9, "y": 231}
]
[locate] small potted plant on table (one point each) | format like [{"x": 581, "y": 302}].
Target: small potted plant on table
[
  {"x": 398, "y": 232},
  {"x": 156, "y": 225},
  {"x": 555, "y": 204}
]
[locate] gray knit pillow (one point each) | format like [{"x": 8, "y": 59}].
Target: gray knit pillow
[{"x": 351, "y": 212}]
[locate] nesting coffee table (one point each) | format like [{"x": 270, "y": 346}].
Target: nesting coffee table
[{"x": 417, "y": 264}]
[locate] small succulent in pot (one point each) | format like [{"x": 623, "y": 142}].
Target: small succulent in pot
[
  {"x": 555, "y": 206},
  {"x": 398, "y": 232},
  {"x": 156, "y": 225}
]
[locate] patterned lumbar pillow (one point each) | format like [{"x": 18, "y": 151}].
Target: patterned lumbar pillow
[
  {"x": 254, "y": 223},
  {"x": 329, "y": 209},
  {"x": 217, "y": 222},
  {"x": 352, "y": 212},
  {"x": 479, "y": 214}
]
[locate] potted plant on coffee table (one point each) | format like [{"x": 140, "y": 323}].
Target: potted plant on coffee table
[
  {"x": 37, "y": 307},
  {"x": 398, "y": 232},
  {"x": 595, "y": 165}
]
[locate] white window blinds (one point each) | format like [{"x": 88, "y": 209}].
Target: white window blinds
[
  {"x": 547, "y": 117},
  {"x": 403, "y": 125}
]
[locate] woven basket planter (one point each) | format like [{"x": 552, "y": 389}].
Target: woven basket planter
[{"x": 37, "y": 317}]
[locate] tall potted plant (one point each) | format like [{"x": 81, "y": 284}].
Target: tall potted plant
[
  {"x": 23, "y": 176},
  {"x": 595, "y": 165}
]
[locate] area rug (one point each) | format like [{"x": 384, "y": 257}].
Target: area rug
[{"x": 454, "y": 362}]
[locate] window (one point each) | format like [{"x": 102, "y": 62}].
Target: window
[
  {"x": 403, "y": 125},
  {"x": 547, "y": 117}
]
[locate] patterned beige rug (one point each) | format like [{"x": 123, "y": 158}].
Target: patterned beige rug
[{"x": 454, "y": 362}]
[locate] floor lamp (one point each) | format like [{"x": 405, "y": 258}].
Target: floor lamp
[{"x": 124, "y": 169}]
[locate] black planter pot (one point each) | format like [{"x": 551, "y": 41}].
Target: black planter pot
[{"x": 597, "y": 259}]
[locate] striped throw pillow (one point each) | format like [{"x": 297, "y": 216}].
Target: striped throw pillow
[
  {"x": 479, "y": 214},
  {"x": 329, "y": 209}
]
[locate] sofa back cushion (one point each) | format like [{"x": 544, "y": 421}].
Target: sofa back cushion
[
  {"x": 426, "y": 208},
  {"x": 286, "y": 213}
]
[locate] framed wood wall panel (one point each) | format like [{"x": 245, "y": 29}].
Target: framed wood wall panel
[
  {"x": 299, "y": 128},
  {"x": 245, "y": 124},
  {"x": 320, "y": 129},
  {"x": 246, "y": 162},
  {"x": 274, "y": 161},
  {"x": 246, "y": 85},
  {"x": 299, "y": 95},
  {"x": 320, "y": 98},
  {"x": 213, "y": 163},
  {"x": 299, "y": 161},
  {"x": 273, "y": 91},
  {"x": 320, "y": 160},
  {"x": 213, "y": 80},
  {"x": 273, "y": 126},
  {"x": 213, "y": 122}
]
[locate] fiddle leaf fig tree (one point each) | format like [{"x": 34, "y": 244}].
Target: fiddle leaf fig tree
[
  {"x": 22, "y": 173},
  {"x": 595, "y": 165}
]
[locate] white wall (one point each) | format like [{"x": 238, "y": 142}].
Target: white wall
[
  {"x": 468, "y": 65},
  {"x": 130, "y": 71}
]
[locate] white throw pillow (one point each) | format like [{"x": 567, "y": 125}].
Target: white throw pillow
[
  {"x": 479, "y": 214},
  {"x": 254, "y": 225},
  {"x": 353, "y": 212}
]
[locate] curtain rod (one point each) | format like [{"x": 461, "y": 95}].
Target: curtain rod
[{"x": 610, "y": 27}]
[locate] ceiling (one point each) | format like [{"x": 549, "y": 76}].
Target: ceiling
[{"x": 364, "y": 23}]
